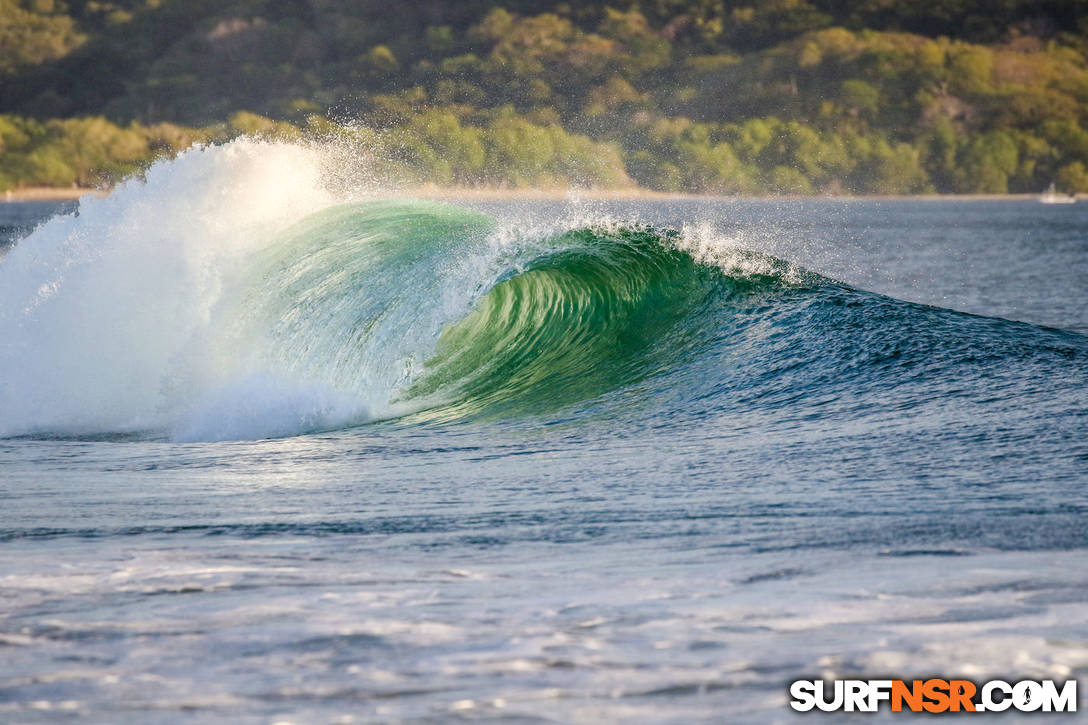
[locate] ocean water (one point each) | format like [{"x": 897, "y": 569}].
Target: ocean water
[{"x": 272, "y": 451}]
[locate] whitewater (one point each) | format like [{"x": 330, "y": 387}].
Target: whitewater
[{"x": 282, "y": 443}]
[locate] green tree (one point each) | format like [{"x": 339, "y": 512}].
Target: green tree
[
  {"x": 34, "y": 32},
  {"x": 1073, "y": 178}
]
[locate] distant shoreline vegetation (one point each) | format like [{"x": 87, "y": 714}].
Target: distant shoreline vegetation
[{"x": 852, "y": 97}]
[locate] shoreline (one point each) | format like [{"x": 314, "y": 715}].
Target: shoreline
[
  {"x": 50, "y": 193},
  {"x": 437, "y": 193},
  {"x": 639, "y": 194}
]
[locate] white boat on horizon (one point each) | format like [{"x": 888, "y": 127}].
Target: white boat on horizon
[{"x": 1051, "y": 196}]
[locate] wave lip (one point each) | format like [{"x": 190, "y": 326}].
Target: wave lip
[{"x": 608, "y": 307}]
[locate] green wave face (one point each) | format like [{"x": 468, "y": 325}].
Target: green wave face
[
  {"x": 607, "y": 309},
  {"x": 352, "y": 297},
  {"x": 431, "y": 313}
]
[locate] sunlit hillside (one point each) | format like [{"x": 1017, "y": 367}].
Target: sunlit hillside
[{"x": 709, "y": 96}]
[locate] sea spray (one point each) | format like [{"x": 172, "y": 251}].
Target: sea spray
[{"x": 99, "y": 310}]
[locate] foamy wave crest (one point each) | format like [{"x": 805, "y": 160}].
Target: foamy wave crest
[{"x": 103, "y": 313}]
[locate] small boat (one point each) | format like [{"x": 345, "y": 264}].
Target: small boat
[{"x": 1051, "y": 196}]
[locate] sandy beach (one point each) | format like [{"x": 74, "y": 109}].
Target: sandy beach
[{"x": 48, "y": 193}]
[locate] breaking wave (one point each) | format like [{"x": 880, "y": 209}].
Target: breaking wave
[{"x": 231, "y": 296}]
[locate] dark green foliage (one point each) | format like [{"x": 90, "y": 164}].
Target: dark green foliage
[{"x": 716, "y": 96}]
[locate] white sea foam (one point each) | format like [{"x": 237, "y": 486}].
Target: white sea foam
[
  {"x": 102, "y": 312},
  {"x": 146, "y": 311}
]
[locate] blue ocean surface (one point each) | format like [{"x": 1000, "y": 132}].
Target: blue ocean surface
[{"x": 272, "y": 454}]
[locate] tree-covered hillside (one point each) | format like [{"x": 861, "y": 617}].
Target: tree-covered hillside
[{"x": 720, "y": 96}]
